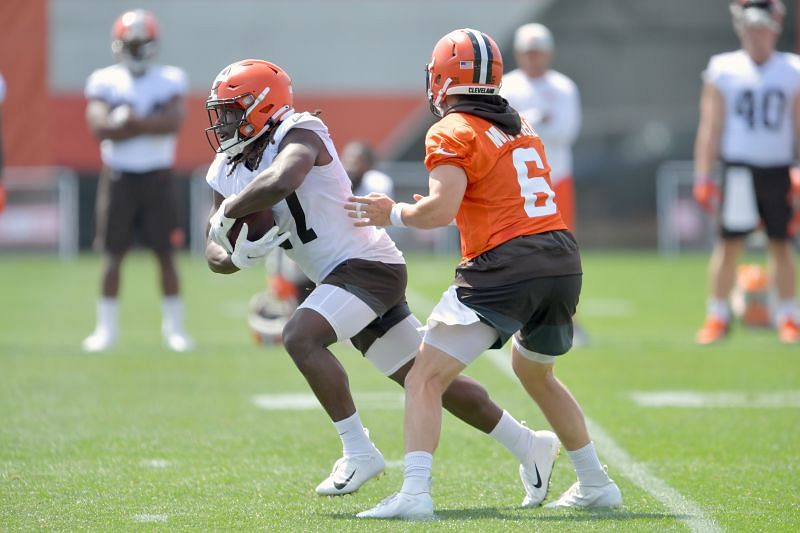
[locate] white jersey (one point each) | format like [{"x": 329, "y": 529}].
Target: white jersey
[
  {"x": 759, "y": 105},
  {"x": 551, "y": 104},
  {"x": 322, "y": 235},
  {"x": 374, "y": 181},
  {"x": 144, "y": 95}
]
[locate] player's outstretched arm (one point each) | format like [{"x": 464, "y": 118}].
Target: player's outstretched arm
[{"x": 446, "y": 184}]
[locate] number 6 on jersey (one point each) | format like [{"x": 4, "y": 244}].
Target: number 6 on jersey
[{"x": 538, "y": 196}]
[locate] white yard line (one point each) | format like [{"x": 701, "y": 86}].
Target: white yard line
[
  {"x": 684, "y": 509},
  {"x": 155, "y": 463},
  {"x": 720, "y": 399},
  {"x": 148, "y": 518},
  {"x": 309, "y": 402}
]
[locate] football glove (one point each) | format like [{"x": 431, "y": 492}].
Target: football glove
[
  {"x": 220, "y": 225},
  {"x": 706, "y": 194},
  {"x": 247, "y": 254}
]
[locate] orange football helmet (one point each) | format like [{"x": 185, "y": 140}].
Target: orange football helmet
[
  {"x": 758, "y": 12},
  {"x": 464, "y": 61},
  {"x": 134, "y": 40},
  {"x": 248, "y": 98}
]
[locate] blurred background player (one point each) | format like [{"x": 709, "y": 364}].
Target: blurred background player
[
  {"x": 550, "y": 102},
  {"x": 359, "y": 161},
  {"x": 749, "y": 115},
  {"x": 2, "y": 187},
  {"x": 135, "y": 109},
  {"x": 287, "y": 286}
]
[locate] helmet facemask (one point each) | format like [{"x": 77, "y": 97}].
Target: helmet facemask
[
  {"x": 230, "y": 129},
  {"x": 433, "y": 101},
  {"x": 136, "y": 55}
]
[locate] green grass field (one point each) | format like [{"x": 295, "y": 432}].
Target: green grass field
[{"x": 142, "y": 438}]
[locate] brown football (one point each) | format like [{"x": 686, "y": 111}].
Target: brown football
[{"x": 258, "y": 224}]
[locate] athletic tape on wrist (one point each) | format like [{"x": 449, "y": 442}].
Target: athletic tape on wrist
[{"x": 396, "y": 215}]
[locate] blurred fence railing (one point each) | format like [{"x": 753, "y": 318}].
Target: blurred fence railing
[
  {"x": 41, "y": 211},
  {"x": 682, "y": 225}
]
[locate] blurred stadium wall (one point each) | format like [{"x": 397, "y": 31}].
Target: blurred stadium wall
[{"x": 636, "y": 62}]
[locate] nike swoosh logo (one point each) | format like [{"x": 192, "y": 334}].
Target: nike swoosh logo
[
  {"x": 340, "y": 486},
  {"x": 445, "y": 152},
  {"x": 538, "y": 483}
]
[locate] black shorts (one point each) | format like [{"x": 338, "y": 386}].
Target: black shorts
[
  {"x": 381, "y": 286},
  {"x": 529, "y": 286},
  {"x": 771, "y": 189},
  {"x": 129, "y": 202}
]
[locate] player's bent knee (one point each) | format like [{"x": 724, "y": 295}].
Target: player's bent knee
[
  {"x": 529, "y": 365},
  {"x": 298, "y": 343}
]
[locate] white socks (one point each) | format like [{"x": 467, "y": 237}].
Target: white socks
[
  {"x": 107, "y": 313},
  {"x": 718, "y": 308},
  {"x": 171, "y": 314},
  {"x": 587, "y": 465},
  {"x": 354, "y": 439},
  {"x": 417, "y": 473},
  {"x": 513, "y": 435}
]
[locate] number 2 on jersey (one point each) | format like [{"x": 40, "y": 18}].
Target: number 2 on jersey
[{"x": 538, "y": 196}]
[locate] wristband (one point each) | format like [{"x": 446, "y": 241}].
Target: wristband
[{"x": 396, "y": 215}]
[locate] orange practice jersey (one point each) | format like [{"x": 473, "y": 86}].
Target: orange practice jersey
[{"x": 508, "y": 191}]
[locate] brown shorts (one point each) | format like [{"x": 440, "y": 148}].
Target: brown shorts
[
  {"x": 381, "y": 286},
  {"x": 128, "y": 202},
  {"x": 528, "y": 286}
]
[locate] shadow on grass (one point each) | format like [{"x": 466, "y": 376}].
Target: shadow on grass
[{"x": 522, "y": 515}]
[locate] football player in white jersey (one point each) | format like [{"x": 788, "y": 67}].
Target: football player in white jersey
[
  {"x": 135, "y": 108},
  {"x": 358, "y": 159},
  {"x": 287, "y": 286},
  {"x": 269, "y": 156},
  {"x": 749, "y": 118},
  {"x": 550, "y": 102}
]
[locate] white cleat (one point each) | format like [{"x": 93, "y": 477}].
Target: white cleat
[
  {"x": 536, "y": 470},
  {"x": 99, "y": 341},
  {"x": 589, "y": 497},
  {"x": 178, "y": 341},
  {"x": 402, "y": 505},
  {"x": 349, "y": 473}
]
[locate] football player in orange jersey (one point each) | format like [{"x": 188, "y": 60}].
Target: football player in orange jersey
[{"x": 520, "y": 274}]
